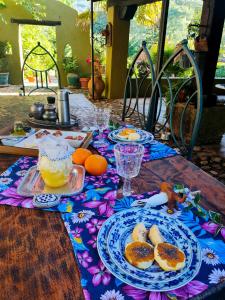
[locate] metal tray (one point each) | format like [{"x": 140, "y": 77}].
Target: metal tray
[{"x": 33, "y": 184}]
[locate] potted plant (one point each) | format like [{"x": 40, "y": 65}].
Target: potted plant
[
  {"x": 143, "y": 69},
  {"x": 70, "y": 66},
  {"x": 4, "y": 73},
  {"x": 84, "y": 79}
]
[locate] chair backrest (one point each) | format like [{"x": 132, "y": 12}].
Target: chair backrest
[
  {"x": 41, "y": 78},
  {"x": 177, "y": 103},
  {"x": 167, "y": 102},
  {"x": 138, "y": 87}
]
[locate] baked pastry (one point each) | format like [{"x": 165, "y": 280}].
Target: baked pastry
[
  {"x": 126, "y": 132},
  {"x": 139, "y": 233},
  {"x": 169, "y": 257},
  {"x": 155, "y": 235},
  {"x": 129, "y": 130},
  {"x": 140, "y": 254},
  {"x": 133, "y": 136}
]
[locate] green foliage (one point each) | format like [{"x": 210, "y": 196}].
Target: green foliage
[
  {"x": 149, "y": 15},
  {"x": 68, "y": 51},
  {"x": 4, "y": 48},
  {"x": 182, "y": 12},
  {"x": 83, "y": 21},
  {"x": 143, "y": 69},
  {"x": 70, "y": 64},
  {"x": 85, "y": 75},
  {"x": 220, "y": 71},
  {"x": 99, "y": 39},
  {"x": 2, "y": 4},
  {"x": 174, "y": 68},
  {"x": 37, "y": 9},
  {"x": 31, "y": 35}
]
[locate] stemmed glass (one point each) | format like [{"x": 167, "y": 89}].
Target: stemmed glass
[
  {"x": 102, "y": 116},
  {"x": 128, "y": 163}
]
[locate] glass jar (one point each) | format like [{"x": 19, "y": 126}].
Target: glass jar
[
  {"x": 18, "y": 128},
  {"x": 55, "y": 165}
]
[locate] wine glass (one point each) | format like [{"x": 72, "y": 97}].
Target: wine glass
[
  {"x": 128, "y": 163},
  {"x": 102, "y": 116}
]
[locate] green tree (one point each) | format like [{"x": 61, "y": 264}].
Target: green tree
[{"x": 149, "y": 15}]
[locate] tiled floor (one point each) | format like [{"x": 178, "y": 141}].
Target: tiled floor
[{"x": 13, "y": 107}]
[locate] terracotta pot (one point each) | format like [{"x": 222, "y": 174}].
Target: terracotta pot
[
  {"x": 31, "y": 79},
  {"x": 84, "y": 83},
  {"x": 99, "y": 87}
]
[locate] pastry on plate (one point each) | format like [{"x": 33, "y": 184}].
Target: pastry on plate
[
  {"x": 155, "y": 235},
  {"x": 134, "y": 136},
  {"x": 139, "y": 254},
  {"x": 125, "y": 133},
  {"x": 129, "y": 130},
  {"x": 169, "y": 257},
  {"x": 139, "y": 233}
]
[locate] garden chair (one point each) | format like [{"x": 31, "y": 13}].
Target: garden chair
[
  {"x": 175, "y": 104},
  {"x": 139, "y": 84}
]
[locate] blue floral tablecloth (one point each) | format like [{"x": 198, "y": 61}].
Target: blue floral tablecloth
[
  {"x": 154, "y": 150},
  {"x": 94, "y": 187},
  {"x": 99, "y": 283}
]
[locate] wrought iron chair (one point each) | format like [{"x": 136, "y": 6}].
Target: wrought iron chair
[
  {"x": 41, "y": 76},
  {"x": 182, "y": 102},
  {"x": 139, "y": 84},
  {"x": 161, "y": 110}
]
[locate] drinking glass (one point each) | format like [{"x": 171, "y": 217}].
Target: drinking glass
[
  {"x": 86, "y": 119},
  {"x": 128, "y": 163},
  {"x": 102, "y": 121}
]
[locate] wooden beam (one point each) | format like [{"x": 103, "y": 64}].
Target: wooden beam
[
  {"x": 213, "y": 15},
  {"x": 130, "y": 2},
  {"x": 36, "y": 22},
  {"x": 162, "y": 34},
  {"x": 160, "y": 54}
]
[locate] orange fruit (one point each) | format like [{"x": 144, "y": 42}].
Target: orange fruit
[
  {"x": 96, "y": 165},
  {"x": 80, "y": 155}
]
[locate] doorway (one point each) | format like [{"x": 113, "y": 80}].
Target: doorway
[{"x": 30, "y": 35}]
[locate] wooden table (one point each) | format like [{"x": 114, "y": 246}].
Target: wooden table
[{"x": 36, "y": 255}]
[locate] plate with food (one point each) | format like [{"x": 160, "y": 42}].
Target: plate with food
[
  {"x": 131, "y": 135},
  {"x": 149, "y": 250},
  {"x": 74, "y": 138}
]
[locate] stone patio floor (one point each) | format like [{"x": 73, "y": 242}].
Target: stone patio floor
[{"x": 210, "y": 158}]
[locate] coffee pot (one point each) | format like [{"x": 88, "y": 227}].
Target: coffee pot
[
  {"x": 37, "y": 110},
  {"x": 63, "y": 107},
  {"x": 50, "y": 110}
]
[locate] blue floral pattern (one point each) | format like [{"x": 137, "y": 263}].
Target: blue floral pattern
[
  {"x": 84, "y": 215},
  {"x": 95, "y": 188},
  {"x": 153, "y": 151},
  {"x": 95, "y": 274}
]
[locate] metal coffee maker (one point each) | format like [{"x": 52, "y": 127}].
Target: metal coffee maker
[
  {"x": 63, "y": 107},
  {"x": 50, "y": 110}
]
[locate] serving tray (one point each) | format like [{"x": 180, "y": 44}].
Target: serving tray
[
  {"x": 15, "y": 150},
  {"x": 33, "y": 184}
]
